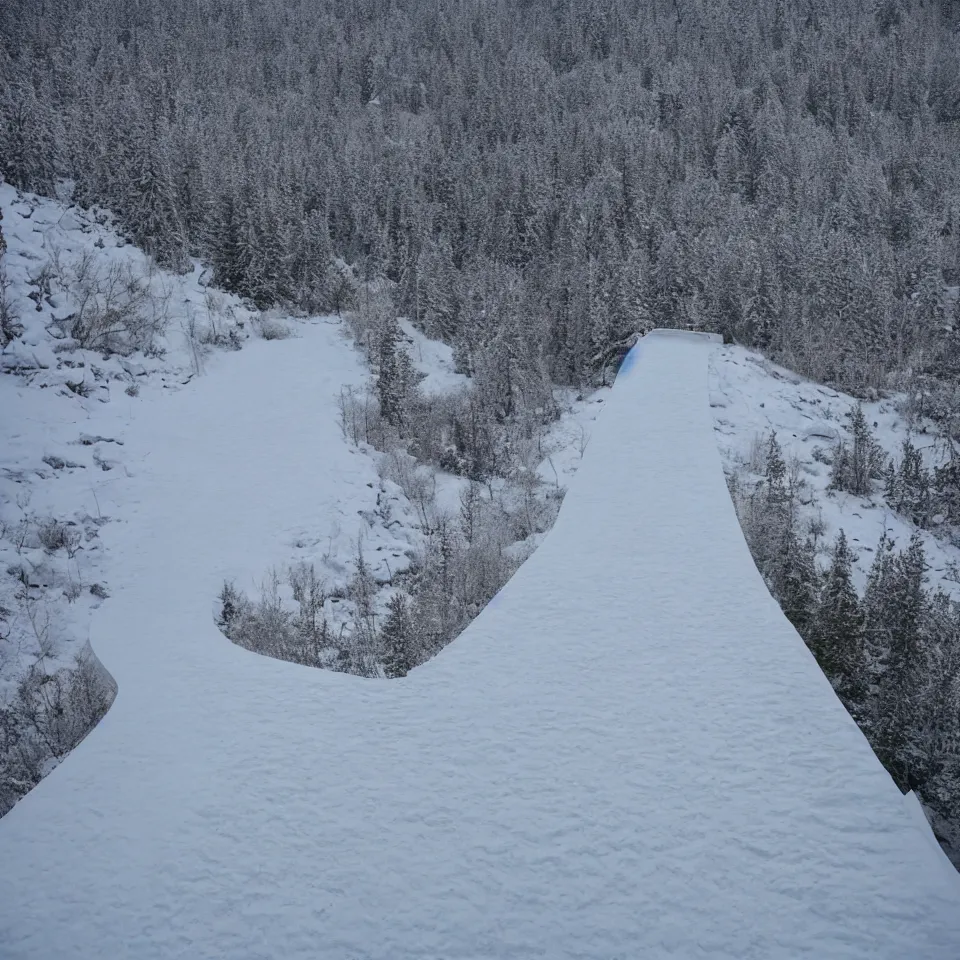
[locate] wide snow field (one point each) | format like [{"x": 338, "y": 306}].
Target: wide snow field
[{"x": 630, "y": 753}]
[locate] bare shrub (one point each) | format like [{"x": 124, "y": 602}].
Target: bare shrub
[
  {"x": 193, "y": 335},
  {"x": 222, "y": 328},
  {"x": 47, "y": 717},
  {"x": 10, "y": 326},
  {"x": 418, "y": 483},
  {"x": 117, "y": 311},
  {"x": 270, "y": 627},
  {"x": 55, "y": 535},
  {"x": 270, "y": 328},
  {"x": 360, "y": 419}
]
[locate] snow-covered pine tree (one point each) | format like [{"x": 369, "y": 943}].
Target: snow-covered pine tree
[
  {"x": 152, "y": 201},
  {"x": 857, "y": 463},
  {"x": 947, "y": 487},
  {"x": 912, "y": 486},
  {"x": 935, "y": 743},
  {"x": 795, "y": 578},
  {"x": 836, "y": 637},
  {"x": 894, "y": 714},
  {"x": 436, "y": 297},
  {"x": 226, "y": 245},
  {"x": 398, "y": 638},
  {"x": 775, "y": 472},
  {"x": 877, "y": 608},
  {"x": 28, "y": 138},
  {"x": 310, "y": 264},
  {"x": 397, "y": 378}
]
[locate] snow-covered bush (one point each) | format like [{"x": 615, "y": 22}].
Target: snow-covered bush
[
  {"x": 270, "y": 327},
  {"x": 116, "y": 308},
  {"x": 10, "y": 326},
  {"x": 859, "y": 462}
]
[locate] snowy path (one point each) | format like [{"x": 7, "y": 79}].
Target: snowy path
[{"x": 629, "y": 754}]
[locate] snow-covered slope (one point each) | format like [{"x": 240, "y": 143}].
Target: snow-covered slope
[
  {"x": 629, "y": 753},
  {"x": 751, "y": 397},
  {"x": 64, "y": 409}
]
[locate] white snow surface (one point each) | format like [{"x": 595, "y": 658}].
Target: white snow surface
[
  {"x": 63, "y": 413},
  {"x": 433, "y": 359},
  {"x": 629, "y": 753}
]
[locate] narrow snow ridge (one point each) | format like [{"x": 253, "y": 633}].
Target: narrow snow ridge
[{"x": 629, "y": 753}]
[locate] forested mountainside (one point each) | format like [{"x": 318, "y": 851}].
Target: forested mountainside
[{"x": 540, "y": 180}]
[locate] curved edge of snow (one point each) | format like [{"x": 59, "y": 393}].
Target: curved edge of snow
[
  {"x": 914, "y": 809},
  {"x": 691, "y": 336}
]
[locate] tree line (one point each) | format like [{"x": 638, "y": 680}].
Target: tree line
[{"x": 545, "y": 178}]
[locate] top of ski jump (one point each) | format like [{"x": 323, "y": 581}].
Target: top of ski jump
[{"x": 630, "y": 753}]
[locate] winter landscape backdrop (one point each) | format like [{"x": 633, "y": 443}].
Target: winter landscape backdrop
[{"x": 480, "y": 208}]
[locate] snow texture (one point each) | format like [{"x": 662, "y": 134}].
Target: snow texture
[{"x": 630, "y": 753}]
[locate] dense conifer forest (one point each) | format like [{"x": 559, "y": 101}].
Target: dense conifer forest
[{"x": 539, "y": 180}]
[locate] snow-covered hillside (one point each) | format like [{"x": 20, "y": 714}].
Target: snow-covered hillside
[
  {"x": 629, "y": 752},
  {"x": 67, "y": 468},
  {"x": 752, "y": 397},
  {"x": 66, "y": 405}
]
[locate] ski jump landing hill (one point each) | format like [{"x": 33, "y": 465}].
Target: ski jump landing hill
[{"x": 629, "y": 754}]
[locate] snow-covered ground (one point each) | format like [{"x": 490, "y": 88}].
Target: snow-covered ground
[
  {"x": 63, "y": 415},
  {"x": 67, "y": 471},
  {"x": 66, "y": 409},
  {"x": 612, "y": 760},
  {"x": 628, "y": 753},
  {"x": 751, "y": 397},
  {"x": 433, "y": 359}
]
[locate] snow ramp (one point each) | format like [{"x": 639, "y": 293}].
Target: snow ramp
[{"x": 629, "y": 754}]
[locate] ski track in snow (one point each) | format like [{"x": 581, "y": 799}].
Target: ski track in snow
[{"x": 630, "y": 753}]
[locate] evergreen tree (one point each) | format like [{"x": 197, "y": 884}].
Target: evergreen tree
[
  {"x": 878, "y": 612},
  {"x": 837, "y": 636},
  {"x": 775, "y": 471},
  {"x": 227, "y": 249},
  {"x": 947, "y": 486},
  {"x": 311, "y": 262},
  {"x": 861, "y": 461},
  {"x": 934, "y": 748},
  {"x": 436, "y": 299},
  {"x": 397, "y": 639},
  {"x": 152, "y": 203},
  {"x": 911, "y": 487},
  {"x": 899, "y": 688},
  {"x": 795, "y": 579},
  {"x": 397, "y": 378},
  {"x": 28, "y": 139}
]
